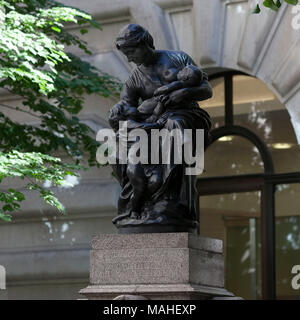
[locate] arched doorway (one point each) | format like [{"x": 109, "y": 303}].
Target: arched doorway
[{"x": 247, "y": 192}]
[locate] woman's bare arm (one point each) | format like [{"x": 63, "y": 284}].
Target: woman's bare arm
[{"x": 202, "y": 92}]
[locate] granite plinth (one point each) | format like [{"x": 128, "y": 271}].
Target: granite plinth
[{"x": 156, "y": 266}]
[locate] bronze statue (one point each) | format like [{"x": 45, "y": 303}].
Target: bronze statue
[{"x": 161, "y": 93}]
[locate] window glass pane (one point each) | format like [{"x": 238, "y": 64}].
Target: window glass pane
[
  {"x": 215, "y": 105},
  {"x": 231, "y": 155},
  {"x": 258, "y": 109},
  {"x": 235, "y": 219},
  {"x": 287, "y": 211}
]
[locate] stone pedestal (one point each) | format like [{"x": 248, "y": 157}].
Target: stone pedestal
[{"x": 175, "y": 266}]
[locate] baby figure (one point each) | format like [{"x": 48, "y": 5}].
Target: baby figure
[
  {"x": 189, "y": 76},
  {"x": 150, "y": 109}
]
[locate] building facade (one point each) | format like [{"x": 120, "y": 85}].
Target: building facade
[{"x": 249, "y": 192}]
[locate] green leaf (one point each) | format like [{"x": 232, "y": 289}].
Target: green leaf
[
  {"x": 56, "y": 29},
  {"x": 83, "y": 31},
  {"x": 270, "y": 4},
  {"x": 292, "y": 2},
  {"x": 5, "y": 217},
  {"x": 278, "y": 3},
  {"x": 256, "y": 10}
]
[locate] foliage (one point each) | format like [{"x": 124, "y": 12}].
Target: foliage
[
  {"x": 36, "y": 168},
  {"x": 274, "y": 4},
  {"x": 51, "y": 84}
]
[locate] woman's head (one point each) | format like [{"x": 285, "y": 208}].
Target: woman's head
[
  {"x": 136, "y": 43},
  {"x": 133, "y": 35}
]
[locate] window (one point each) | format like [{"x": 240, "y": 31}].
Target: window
[
  {"x": 232, "y": 155},
  {"x": 252, "y": 159}
]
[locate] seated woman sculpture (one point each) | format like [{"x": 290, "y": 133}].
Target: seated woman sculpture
[{"x": 158, "y": 197}]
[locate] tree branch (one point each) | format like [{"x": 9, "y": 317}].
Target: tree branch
[{"x": 17, "y": 109}]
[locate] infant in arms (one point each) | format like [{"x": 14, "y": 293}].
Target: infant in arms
[{"x": 151, "y": 109}]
